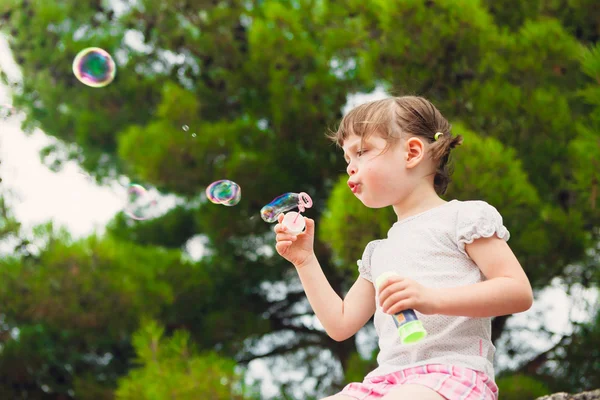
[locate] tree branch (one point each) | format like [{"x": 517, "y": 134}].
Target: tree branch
[
  {"x": 282, "y": 305},
  {"x": 279, "y": 325},
  {"x": 281, "y": 350},
  {"x": 498, "y": 325},
  {"x": 534, "y": 364},
  {"x": 307, "y": 336}
]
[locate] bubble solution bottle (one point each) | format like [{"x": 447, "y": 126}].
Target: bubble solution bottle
[{"x": 410, "y": 329}]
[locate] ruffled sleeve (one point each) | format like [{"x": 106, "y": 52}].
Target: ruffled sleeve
[
  {"x": 478, "y": 219},
  {"x": 364, "y": 264}
]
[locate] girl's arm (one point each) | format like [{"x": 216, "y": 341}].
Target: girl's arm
[
  {"x": 340, "y": 318},
  {"x": 506, "y": 291}
]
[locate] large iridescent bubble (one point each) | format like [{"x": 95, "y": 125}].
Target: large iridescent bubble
[
  {"x": 94, "y": 67},
  {"x": 141, "y": 205},
  {"x": 225, "y": 192},
  {"x": 283, "y": 203}
]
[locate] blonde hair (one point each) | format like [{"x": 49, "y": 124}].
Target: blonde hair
[{"x": 396, "y": 117}]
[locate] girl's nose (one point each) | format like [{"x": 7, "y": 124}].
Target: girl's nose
[{"x": 351, "y": 169}]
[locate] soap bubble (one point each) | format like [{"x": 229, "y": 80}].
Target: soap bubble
[
  {"x": 185, "y": 128},
  {"x": 194, "y": 134},
  {"x": 94, "y": 67},
  {"x": 224, "y": 192},
  {"x": 6, "y": 111},
  {"x": 283, "y": 203},
  {"x": 140, "y": 204}
]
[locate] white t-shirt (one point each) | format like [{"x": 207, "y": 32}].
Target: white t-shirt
[{"x": 430, "y": 248}]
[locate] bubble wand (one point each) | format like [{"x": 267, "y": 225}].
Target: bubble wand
[
  {"x": 286, "y": 202},
  {"x": 295, "y": 227}
]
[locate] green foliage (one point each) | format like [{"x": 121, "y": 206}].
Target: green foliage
[
  {"x": 171, "y": 230},
  {"x": 358, "y": 368},
  {"x": 584, "y": 149},
  {"x": 580, "y": 17},
  {"x": 486, "y": 169},
  {"x": 574, "y": 363},
  {"x": 74, "y": 305},
  {"x": 433, "y": 48},
  {"x": 9, "y": 226},
  {"x": 82, "y": 284},
  {"x": 170, "y": 368},
  {"x": 259, "y": 83},
  {"x": 513, "y": 14},
  {"x": 519, "y": 387}
]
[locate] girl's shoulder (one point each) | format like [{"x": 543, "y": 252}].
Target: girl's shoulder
[
  {"x": 469, "y": 211},
  {"x": 476, "y": 204},
  {"x": 364, "y": 264},
  {"x": 476, "y": 219}
]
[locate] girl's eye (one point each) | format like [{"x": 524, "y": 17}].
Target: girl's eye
[{"x": 358, "y": 154}]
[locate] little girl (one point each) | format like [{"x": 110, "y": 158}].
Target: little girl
[{"x": 454, "y": 266}]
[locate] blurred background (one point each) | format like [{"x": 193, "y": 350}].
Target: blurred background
[{"x": 190, "y": 301}]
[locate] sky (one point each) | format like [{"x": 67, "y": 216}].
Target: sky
[{"x": 71, "y": 199}]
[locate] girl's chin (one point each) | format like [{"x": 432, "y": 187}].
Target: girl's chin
[{"x": 372, "y": 203}]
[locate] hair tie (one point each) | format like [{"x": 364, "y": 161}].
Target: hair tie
[{"x": 437, "y": 135}]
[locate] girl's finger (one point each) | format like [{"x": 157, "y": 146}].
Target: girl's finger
[
  {"x": 283, "y": 237},
  {"x": 393, "y": 288},
  {"x": 382, "y": 300},
  {"x": 282, "y": 247},
  {"x": 310, "y": 226},
  {"x": 279, "y": 228},
  {"x": 386, "y": 304},
  {"x": 384, "y": 294},
  {"x": 385, "y": 284},
  {"x": 392, "y": 299},
  {"x": 390, "y": 281},
  {"x": 396, "y": 308}
]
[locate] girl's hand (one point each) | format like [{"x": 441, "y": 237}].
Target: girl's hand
[
  {"x": 297, "y": 249},
  {"x": 397, "y": 294}
]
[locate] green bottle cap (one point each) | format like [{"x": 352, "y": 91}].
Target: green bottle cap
[{"x": 411, "y": 332}]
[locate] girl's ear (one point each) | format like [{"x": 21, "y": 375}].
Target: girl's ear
[{"x": 415, "y": 152}]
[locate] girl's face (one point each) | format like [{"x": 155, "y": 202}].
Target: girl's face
[{"x": 379, "y": 179}]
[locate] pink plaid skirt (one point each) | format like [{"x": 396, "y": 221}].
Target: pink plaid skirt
[{"x": 451, "y": 382}]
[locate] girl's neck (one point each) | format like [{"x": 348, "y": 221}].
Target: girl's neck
[{"x": 421, "y": 199}]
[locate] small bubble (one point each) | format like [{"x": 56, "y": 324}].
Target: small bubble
[
  {"x": 94, "y": 67},
  {"x": 140, "y": 204},
  {"x": 193, "y": 135},
  {"x": 185, "y": 128}
]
